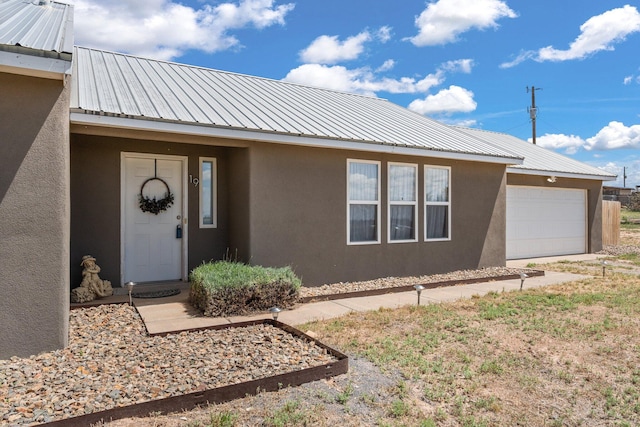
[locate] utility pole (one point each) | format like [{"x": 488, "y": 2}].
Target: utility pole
[
  {"x": 624, "y": 177},
  {"x": 533, "y": 111}
]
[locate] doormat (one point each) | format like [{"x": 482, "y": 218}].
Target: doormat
[{"x": 156, "y": 294}]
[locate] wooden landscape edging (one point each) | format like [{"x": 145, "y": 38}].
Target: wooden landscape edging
[
  {"x": 220, "y": 394},
  {"x": 382, "y": 291}
]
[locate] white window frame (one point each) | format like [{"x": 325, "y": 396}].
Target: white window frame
[
  {"x": 413, "y": 203},
  {"x": 214, "y": 192},
  {"x": 428, "y": 203},
  {"x": 364, "y": 202}
]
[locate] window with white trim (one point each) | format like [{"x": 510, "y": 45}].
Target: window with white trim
[
  {"x": 208, "y": 181},
  {"x": 403, "y": 202},
  {"x": 363, "y": 201},
  {"x": 437, "y": 198}
]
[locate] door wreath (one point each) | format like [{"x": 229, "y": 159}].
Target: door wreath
[{"x": 155, "y": 205}]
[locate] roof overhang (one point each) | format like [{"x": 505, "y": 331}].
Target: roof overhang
[
  {"x": 34, "y": 66},
  {"x": 136, "y": 124},
  {"x": 520, "y": 171}
]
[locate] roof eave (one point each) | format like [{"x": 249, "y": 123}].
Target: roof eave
[
  {"x": 81, "y": 117},
  {"x": 34, "y": 65},
  {"x": 537, "y": 172}
]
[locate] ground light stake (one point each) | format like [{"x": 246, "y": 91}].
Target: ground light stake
[
  {"x": 275, "y": 311},
  {"x": 604, "y": 267},
  {"x": 419, "y": 289},
  {"x": 522, "y": 277},
  {"x": 130, "y": 286}
]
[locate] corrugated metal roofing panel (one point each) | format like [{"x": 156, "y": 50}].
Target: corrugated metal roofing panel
[
  {"x": 127, "y": 86},
  {"x": 46, "y": 27},
  {"x": 537, "y": 158}
]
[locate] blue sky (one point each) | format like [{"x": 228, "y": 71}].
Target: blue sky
[{"x": 465, "y": 62}]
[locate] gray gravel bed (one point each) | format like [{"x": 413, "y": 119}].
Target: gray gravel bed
[
  {"x": 395, "y": 282},
  {"x": 111, "y": 362},
  {"x": 617, "y": 250}
]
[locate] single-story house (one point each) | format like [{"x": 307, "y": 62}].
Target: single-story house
[{"x": 154, "y": 167}]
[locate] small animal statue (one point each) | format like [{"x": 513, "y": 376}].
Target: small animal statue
[{"x": 92, "y": 286}]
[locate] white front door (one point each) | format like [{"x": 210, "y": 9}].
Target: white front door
[{"x": 153, "y": 248}]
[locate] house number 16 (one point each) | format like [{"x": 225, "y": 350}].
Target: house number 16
[{"x": 193, "y": 180}]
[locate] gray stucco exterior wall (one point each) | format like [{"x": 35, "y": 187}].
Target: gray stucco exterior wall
[
  {"x": 34, "y": 215},
  {"x": 298, "y": 210},
  {"x": 594, "y": 201}
]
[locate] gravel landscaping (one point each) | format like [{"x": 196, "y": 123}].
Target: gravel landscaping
[
  {"x": 395, "y": 282},
  {"x": 111, "y": 362}
]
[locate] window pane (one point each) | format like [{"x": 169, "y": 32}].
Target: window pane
[
  {"x": 437, "y": 222},
  {"x": 402, "y": 222},
  {"x": 402, "y": 183},
  {"x": 363, "y": 181},
  {"x": 206, "y": 187},
  {"x": 436, "y": 185},
  {"x": 364, "y": 225}
]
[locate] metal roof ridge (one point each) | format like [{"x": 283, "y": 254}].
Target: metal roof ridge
[{"x": 182, "y": 64}]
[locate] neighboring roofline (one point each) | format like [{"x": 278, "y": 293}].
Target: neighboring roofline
[
  {"x": 79, "y": 117},
  {"x": 520, "y": 171},
  {"x": 34, "y": 66},
  {"x": 55, "y": 64}
]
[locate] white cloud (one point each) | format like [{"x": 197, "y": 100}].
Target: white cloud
[
  {"x": 384, "y": 33},
  {"x": 164, "y": 29},
  {"x": 367, "y": 82},
  {"x": 627, "y": 80},
  {"x": 329, "y": 50},
  {"x": 455, "y": 99},
  {"x": 468, "y": 123},
  {"x": 615, "y": 135},
  {"x": 459, "y": 65},
  {"x": 569, "y": 143},
  {"x": 600, "y": 32},
  {"x": 359, "y": 80},
  {"x": 444, "y": 20},
  {"x": 335, "y": 77},
  {"x": 386, "y": 66}
]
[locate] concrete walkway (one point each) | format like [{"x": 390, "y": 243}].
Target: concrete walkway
[{"x": 175, "y": 313}]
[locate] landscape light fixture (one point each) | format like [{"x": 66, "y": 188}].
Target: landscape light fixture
[
  {"x": 419, "y": 289},
  {"x": 604, "y": 267},
  {"x": 275, "y": 311},
  {"x": 522, "y": 277},
  {"x": 130, "y": 286}
]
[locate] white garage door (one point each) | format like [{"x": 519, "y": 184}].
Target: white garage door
[{"x": 545, "y": 222}]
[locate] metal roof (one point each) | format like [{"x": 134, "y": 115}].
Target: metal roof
[
  {"x": 147, "y": 91},
  {"x": 539, "y": 160},
  {"x": 40, "y": 28}
]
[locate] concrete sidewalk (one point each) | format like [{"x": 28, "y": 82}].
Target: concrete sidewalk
[
  {"x": 523, "y": 263},
  {"x": 176, "y": 314}
]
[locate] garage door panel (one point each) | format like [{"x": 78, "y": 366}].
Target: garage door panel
[{"x": 545, "y": 222}]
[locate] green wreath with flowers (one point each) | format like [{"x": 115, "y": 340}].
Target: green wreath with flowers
[{"x": 155, "y": 205}]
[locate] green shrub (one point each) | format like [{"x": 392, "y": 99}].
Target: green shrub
[{"x": 227, "y": 288}]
